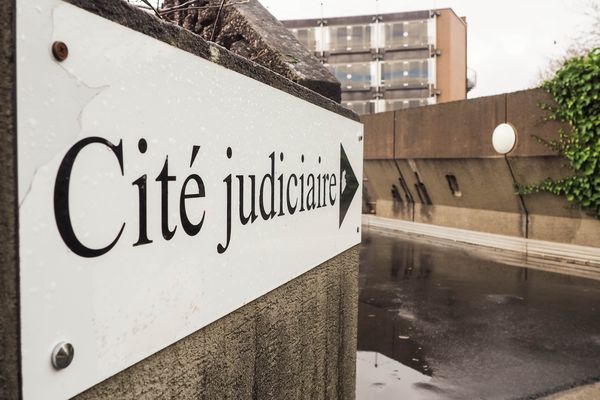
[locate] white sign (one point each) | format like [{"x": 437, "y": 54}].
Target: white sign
[{"x": 159, "y": 192}]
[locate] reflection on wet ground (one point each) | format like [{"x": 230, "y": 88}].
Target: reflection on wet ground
[
  {"x": 437, "y": 322},
  {"x": 382, "y": 378}
]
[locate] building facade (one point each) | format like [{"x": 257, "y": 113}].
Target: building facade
[{"x": 391, "y": 61}]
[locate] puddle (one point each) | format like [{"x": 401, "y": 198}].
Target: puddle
[
  {"x": 388, "y": 332},
  {"x": 444, "y": 323},
  {"x": 382, "y": 378}
]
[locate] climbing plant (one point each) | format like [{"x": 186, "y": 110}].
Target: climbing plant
[{"x": 576, "y": 90}]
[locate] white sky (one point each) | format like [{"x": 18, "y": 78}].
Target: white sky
[{"x": 509, "y": 41}]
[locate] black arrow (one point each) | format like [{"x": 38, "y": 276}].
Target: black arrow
[{"x": 349, "y": 191}]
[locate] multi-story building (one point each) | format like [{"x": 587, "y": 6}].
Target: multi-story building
[{"x": 391, "y": 61}]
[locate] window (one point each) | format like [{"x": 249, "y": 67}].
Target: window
[
  {"x": 353, "y": 76},
  {"x": 350, "y": 38},
  {"x": 405, "y": 73},
  {"x": 359, "y": 107},
  {"x": 306, "y": 36},
  {"x": 400, "y": 35}
]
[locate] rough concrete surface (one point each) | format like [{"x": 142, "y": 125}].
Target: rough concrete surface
[
  {"x": 296, "y": 342},
  {"x": 449, "y": 130},
  {"x": 134, "y": 18},
  {"x": 481, "y": 183},
  {"x": 586, "y": 392},
  {"x": 249, "y": 30},
  {"x": 463, "y": 129},
  {"x": 435, "y": 142},
  {"x": 524, "y": 112},
  {"x": 380, "y": 176},
  {"x": 487, "y": 200},
  {"x": 10, "y": 366},
  {"x": 379, "y": 136},
  {"x": 477, "y": 206},
  {"x": 530, "y": 170}
]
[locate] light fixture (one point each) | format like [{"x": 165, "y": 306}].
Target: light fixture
[{"x": 504, "y": 138}]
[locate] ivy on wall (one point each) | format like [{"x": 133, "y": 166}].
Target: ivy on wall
[{"x": 576, "y": 90}]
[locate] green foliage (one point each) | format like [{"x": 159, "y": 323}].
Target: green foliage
[{"x": 576, "y": 90}]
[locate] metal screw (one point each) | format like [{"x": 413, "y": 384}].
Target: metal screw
[
  {"x": 60, "y": 51},
  {"x": 62, "y": 355}
]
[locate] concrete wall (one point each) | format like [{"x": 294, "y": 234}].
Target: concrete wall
[
  {"x": 296, "y": 342},
  {"x": 459, "y": 129},
  {"x": 454, "y": 138},
  {"x": 379, "y": 142},
  {"x": 10, "y": 366}
]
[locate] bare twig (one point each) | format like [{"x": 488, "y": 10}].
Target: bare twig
[
  {"x": 214, "y": 29},
  {"x": 182, "y": 5},
  {"x": 172, "y": 10},
  {"x": 164, "y": 13},
  {"x": 146, "y": 2}
]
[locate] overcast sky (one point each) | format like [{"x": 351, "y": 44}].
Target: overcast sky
[{"x": 509, "y": 41}]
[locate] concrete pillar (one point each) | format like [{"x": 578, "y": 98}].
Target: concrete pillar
[{"x": 9, "y": 243}]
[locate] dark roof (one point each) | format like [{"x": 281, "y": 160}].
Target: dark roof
[{"x": 358, "y": 19}]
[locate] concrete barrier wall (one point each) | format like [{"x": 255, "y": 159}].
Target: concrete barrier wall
[
  {"x": 436, "y": 143},
  {"x": 296, "y": 342},
  {"x": 458, "y": 129},
  {"x": 10, "y": 366}
]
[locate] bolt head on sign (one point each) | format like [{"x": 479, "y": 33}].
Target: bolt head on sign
[
  {"x": 62, "y": 355},
  {"x": 60, "y": 51}
]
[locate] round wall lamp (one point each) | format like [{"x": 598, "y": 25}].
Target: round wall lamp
[{"x": 504, "y": 138}]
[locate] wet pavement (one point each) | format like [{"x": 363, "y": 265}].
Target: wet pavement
[{"x": 439, "y": 322}]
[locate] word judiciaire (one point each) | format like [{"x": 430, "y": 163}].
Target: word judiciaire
[{"x": 274, "y": 194}]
